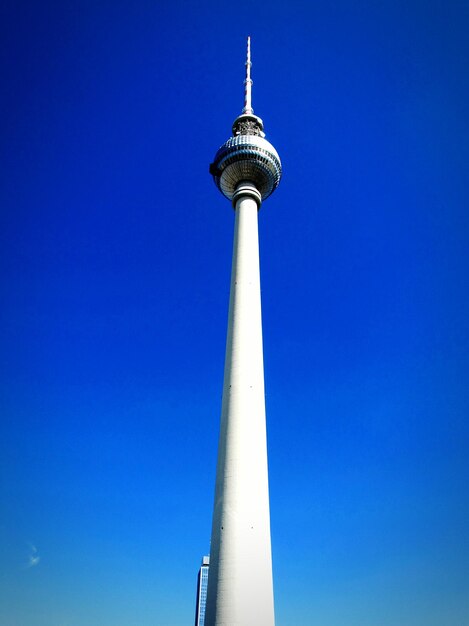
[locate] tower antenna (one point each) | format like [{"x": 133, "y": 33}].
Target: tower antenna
[{"x": 248, "y": 110}]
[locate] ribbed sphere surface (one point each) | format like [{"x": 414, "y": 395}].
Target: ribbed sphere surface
[{"x": 247, "y": 158}]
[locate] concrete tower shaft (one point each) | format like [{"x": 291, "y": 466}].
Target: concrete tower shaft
[
  {"x": 240, "y": 590},
  {"x": 240, "y": 587}
]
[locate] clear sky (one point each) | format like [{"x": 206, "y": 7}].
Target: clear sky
[{"x": 115, "y": 260}]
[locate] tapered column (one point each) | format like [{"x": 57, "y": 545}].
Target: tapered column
[{"x": 240, "y": 590}]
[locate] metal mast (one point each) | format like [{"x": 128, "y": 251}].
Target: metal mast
[
  {"x": 246, "y": 169},
  {"x": 248, "y": 81}
]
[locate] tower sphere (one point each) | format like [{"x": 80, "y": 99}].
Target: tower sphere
[{"x": 247, "y": 156}]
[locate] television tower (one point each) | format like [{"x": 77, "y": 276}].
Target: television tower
[{"x": 246, "y": 169}]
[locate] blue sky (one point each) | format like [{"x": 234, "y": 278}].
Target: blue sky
[{"x": 115, "y": 260}]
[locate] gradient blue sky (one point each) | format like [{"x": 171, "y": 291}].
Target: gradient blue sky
[{"x": 115, "y": 260}]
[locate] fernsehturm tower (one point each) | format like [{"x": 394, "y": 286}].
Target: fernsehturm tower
[{"x": 246, "y": 169}]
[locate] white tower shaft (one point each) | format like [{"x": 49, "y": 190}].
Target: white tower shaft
[{"x": 240, "y": 589}]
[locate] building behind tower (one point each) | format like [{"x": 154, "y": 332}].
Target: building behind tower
[{"x": 202, "y": 581}]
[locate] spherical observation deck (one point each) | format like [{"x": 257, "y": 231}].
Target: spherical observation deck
[{"x": 247, "y": 156}]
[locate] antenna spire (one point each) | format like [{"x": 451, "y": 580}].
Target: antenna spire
[
  {"x": 247, "y": 123},
  {"x": 248, "y": 110}
]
